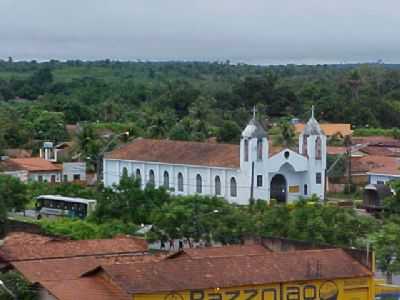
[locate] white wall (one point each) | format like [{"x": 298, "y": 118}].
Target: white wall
[
  {"x": 374, "y": 178},
  {"x": 74, "y": 168},
  {"x": 21, "y": 175},
  {"x": 34, "y": 176}
]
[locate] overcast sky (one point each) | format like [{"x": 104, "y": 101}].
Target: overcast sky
[{"x": 251, "y": 31}]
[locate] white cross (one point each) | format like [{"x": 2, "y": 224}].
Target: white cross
[{"x": 254, "y": 112}]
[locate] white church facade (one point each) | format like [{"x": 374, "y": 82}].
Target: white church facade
[{"x": 236, "y": 172}]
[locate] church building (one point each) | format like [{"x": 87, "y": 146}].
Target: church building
[{"x": 238, "y": 173}]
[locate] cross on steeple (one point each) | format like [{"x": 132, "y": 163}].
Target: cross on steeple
[
  {"x": 312, "y": 111},
  {"x": 254, "y": 112}
]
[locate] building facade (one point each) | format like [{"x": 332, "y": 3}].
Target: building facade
[{"x": 236, "y": 172}]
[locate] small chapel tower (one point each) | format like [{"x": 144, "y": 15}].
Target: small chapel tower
[
  {"x": 312, "y": 144},
  {"x": 254, "y": 152}
]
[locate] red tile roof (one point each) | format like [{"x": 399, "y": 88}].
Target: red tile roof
[
  {"x": 376, "y": 164},
  {"x": 23, "y": 246},
  {"x": 179, "y": 152},
  {"x": 329, "y": 128},
  {"x": 8, "y": 165},
  {"x": 36, "y": 164},
  {"x": 221, "y": 272},
  {"x": 233, "y": 250},
  {"x": 89, "y": 288}
]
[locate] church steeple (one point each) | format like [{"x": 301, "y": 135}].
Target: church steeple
[
  {"x": 312, "y": 127},
  {"x": 254, "y": 129}
]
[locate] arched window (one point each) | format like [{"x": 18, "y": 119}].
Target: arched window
[
  {"x": 199, "y": 184},
  {"x": 166, "y": 180},
  {"x": 259, "y": 149},
  {"x": 137, "y": 175},
  {"x": 180, "y": 182},
  {"x": 151, "y": 178},
  {"x": 318, "y": 150},
  {"x": 233, "y": 187},
  {"x": 124, "y": 172},
  {"x": 217, "y": 186},
  {"x": 305, "y": 138},
  {"x": 246, "y": 150}
]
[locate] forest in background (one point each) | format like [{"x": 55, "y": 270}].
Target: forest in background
[{"x": 187, "y": 100}]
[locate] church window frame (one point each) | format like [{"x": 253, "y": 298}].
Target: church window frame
[
  {"x": 318, "y": 148},
  {"x": 305, "y": 145},
  {"x": 180, "y": 182},
  {"x": 152, "y": 180},
  {"x": 217, "y": 182},
  {"x": 259, "y": 149},
  {"x": 166, "y": 180},
  {"x": 233, "y": 187},
  {"x": 259, "y": 180},
  {"x": 138, "y": 175},
  {"x": 246, "y": 150},
  {"x": 305, "y": 190},
  {"x": 199, "y": 184},
  {"x": 318, "y": 178}
]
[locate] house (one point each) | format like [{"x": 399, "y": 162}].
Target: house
[
  {"x": 72, "y": 171},
  {"x": 49, "y": 264},
  {"x": 34, "y": 168},
  {"x": 235, "y": 172},
  {"x": 304, "y": 274},
  {"x": 9, "y": 167},
  {"x": 121, "y": 269}
]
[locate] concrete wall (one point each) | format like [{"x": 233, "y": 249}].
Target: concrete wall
[
  {"x": 74, "y": 168},
  {"x": 46, "y": 176}
]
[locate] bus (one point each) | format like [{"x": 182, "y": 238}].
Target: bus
[{"x": 60, "y": 206}]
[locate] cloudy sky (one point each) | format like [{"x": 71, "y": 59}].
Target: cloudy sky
[{"x": 251, "y": 31}]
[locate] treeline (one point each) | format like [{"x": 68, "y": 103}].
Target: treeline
[{"x": 187, "y": 100}]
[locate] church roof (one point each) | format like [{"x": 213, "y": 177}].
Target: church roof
[
  {"x": 179, "y": 152},
  {"x": 254, "y": 130}
]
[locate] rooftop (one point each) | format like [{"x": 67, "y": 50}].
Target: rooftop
[
  {"x": 232, "y": 250},
  {"x": 329, "y": 129},
  {"x": 26, "y": 246},
  {"x": 36, "y": 164},
  {"x": 179, "y": 152},
  {"x": 231, "y": 271},
  {"x": 376, "y": 164}
]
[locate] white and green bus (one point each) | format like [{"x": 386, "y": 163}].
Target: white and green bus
[{"x": 60, "y": 206}]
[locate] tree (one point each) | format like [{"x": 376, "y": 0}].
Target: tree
[
  {"x": 286, "y": 136},
  {"x": 386, "y": 243},
  {"x": 229, "y": 132},
  {"x": 18, "y": 285},
  {"x": 13, "y": 195}
]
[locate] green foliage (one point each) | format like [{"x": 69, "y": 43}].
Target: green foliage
[
  {"x": 229, "y": 132},
  {"x": 13, "y": 195},
  {"x": 286, "y": 134},
  {"x": 83, "y": 230},
  {"x": 128, "y": 202},
  {"x": 17, "y": 285},
  {"x": 386, "y": 243},
  {"x": 189, "y": 101}
]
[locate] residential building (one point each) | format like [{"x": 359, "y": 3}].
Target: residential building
[
  {"x": 235, "y": 172},
  {"x": 40, "y": 169}
]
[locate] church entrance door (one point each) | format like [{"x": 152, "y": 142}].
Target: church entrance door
[{"x": 278, "y": 188}]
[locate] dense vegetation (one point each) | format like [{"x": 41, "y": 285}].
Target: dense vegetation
[{"x": 186, "y": 100}]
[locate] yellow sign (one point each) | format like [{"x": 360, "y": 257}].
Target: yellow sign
[
  {"x": 294, "y": 189},
  {"x": 308, "y": 290}
]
